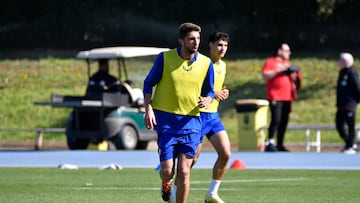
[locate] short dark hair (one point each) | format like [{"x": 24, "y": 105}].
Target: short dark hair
[
  {"x": 186, "y": 28},
  {"x": 103, "y": 61},
  {"x": 279, "y": 47},
  {"x": 216, "y": 36}
]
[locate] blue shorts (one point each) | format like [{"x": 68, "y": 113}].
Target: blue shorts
[
  {"x": 171, "y": 145},
  {"x": 211, "y": 124}
]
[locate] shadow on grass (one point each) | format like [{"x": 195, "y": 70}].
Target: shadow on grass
[
  {"x": 250, "y": 90},
  {"x": 310, "y": 92},
  {"x": 257, "y": 90}
]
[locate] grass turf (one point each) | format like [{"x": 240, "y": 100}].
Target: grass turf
[
  {"x": 142, "y": 185},
  {"x": 24, "y": 81}
]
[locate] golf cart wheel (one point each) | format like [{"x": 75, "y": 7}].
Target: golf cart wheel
[
  {"x": 75, "y": 143},
  {"x": 142, "y": 145},
  {"x": 126, "y": 139}
]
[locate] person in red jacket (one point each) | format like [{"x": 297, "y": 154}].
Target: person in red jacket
[{"x": 282, "y": 81}]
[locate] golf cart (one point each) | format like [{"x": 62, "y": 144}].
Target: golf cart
[{"x": 114, "y": 113}]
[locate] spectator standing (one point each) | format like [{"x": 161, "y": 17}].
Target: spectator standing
[
  {"x": 282, "y": 82},
  {"x": 347, "y": 98}
]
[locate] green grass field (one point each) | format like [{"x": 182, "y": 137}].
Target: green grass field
[
  {"x": 24, "y": 81},
  {"x": 142, "y": 185}
]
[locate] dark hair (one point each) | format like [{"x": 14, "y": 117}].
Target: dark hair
[
  {"x": 103, "y": 61},
  {"x": 275, "y": 53},
  {"x": 216, "y": 36},
  {"x": 186, "y": 28}
]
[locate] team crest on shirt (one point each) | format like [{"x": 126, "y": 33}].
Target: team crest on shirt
[
  {"x": 218, "y": 71},
  {"x": 186, "y": 67}
]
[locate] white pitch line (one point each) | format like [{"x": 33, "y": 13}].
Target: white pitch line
[
  {"x": 192, "y": 182},
  {"x": 114, "y": 188},
  {"x": 139, "y": 188},
  {"x": 254, "y": 180}
]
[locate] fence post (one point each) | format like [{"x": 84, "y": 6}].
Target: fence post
[
  {"x": 318, "y": 141},
  {"x": 307, "y": 140},
  {"x": 38, "y": 140}
]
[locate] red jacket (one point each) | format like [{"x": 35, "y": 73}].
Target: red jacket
[{"x": 281, "y": 87}]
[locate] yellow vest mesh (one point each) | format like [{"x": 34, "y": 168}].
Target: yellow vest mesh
[{"x": 179, "y": 88}]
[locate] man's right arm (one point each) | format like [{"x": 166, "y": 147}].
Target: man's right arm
[
  {"x": 271, "y": 69},
  {"x": 150, "y": 81},
  {"x": 149, "y": 119},
  {"x": 154, "y": 75}
]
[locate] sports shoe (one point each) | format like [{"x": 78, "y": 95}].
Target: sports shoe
[
  {"x": 349, "y": 151},
  {"x": 282, "y": 149},
  {"x": 213, "y": 199},
  {"x": 172, "y": 194},
  {"x": 270, "y": 148},
  {"x": 355, "y": 147},
  {"x": 165, "y": 191}
]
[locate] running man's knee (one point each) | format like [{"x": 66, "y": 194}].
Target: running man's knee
[
  {"x": 183, "y": 174},
  {"x": 183, "y": 169},
  {"x": 221, "y": 143},
  {"x": 225, "y": 155}
]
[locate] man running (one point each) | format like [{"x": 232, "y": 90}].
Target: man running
[
  {"x": 184, "y": 83},
  {"x": 212, "y": 126}
]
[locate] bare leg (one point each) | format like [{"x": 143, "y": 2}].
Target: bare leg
[
  {"x": 183, "y": 178},
  {"x": 221, "y": 143},
  {"x": 166, "y": 174}
]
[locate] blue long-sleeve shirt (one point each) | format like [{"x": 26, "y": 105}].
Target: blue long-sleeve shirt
[{"x": 169, "y": 122}]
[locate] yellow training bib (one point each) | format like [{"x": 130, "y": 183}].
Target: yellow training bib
[{"x": 179, "y": 88}]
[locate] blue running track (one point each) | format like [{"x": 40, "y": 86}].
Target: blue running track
[{"x": 149, "y": 159}]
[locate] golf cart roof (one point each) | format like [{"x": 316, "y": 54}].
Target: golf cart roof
[{"x": 119, "y": 52}]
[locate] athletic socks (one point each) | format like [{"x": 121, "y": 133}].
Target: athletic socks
[{"x": 214, "y": 186}]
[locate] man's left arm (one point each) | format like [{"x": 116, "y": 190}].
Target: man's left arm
[{"x": 207, "y": 90}]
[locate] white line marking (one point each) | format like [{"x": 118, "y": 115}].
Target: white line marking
[
  {"x": 115, "y": 188},
  {"x": 192, "y": 182},
  {"x": 140, "y": 188},
  {"x": 254, "y": 180}
]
